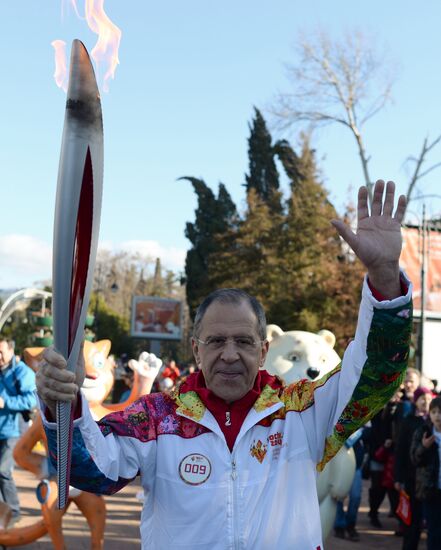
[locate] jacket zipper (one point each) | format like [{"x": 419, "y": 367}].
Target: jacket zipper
[{"x": 236, "y": 534}]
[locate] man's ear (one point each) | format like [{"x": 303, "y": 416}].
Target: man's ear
[
  {"x": 195, "y": 349},
  {"x": 265, "y": 348}
]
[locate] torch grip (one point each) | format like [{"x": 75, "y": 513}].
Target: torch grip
[{"x": 64, "y": 450}]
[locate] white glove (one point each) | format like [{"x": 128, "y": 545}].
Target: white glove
[{"x": 147, "y": 366}]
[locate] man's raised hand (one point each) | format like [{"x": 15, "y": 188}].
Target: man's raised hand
[{"x": 377, "y": 241}]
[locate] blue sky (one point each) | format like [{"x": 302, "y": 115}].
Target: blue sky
[{"x": 183, "y": 95}]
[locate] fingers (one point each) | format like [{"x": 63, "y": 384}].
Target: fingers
[
  {"x": 362, "y": 207},
  {"x": 401, "y": 209},
  {"x": 54, "y": 381},
  {"x": 378, "y": 206},
  {"x": 345, "y": 232},
  {"x": 388, "y": 205},
  {"x": 377, "y": 200}
]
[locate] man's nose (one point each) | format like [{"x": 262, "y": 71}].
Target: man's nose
[{"x": 229, "y": 351}]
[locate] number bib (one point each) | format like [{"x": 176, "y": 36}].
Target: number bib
[{"x": 195, "y": 469}]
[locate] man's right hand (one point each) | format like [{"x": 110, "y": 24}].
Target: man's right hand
[{"x": 55, "y": 382}]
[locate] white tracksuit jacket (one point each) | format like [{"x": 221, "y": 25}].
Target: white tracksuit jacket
[{"x": 262, "y": 495}]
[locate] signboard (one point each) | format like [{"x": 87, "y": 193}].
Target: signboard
[
  {"x": 410, "y": 261},
  {"x": 156, "y": 318}
]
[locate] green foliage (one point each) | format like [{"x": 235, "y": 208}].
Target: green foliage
[
  {"x": 112, "y": 326},
  {"x": 215, "y": 216},
  {"x": 284, "y": 252},
  {"x": 263, "y": 177}
]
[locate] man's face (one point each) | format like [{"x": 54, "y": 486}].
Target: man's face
[
  {"x": 230, "y": 369},
  {"x": 423, "y": 402},
  {"x": 6, "y": 354},
  {"x": 411, "y": 383}
]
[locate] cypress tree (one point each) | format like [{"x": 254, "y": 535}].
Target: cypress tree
[
  {"x": 214, "y": 217},
  {"x": 263, "y": 176}
]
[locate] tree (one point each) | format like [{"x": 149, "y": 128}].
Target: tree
[
  {"x": 214, "y": 216},
  {"x": 290, "y": 258},
  {"x": 345, "y": 82},
  {"x": 263, "y": 176},
  {"x": 320, "y": 276}
]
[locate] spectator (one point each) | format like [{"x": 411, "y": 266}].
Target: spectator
[
  {"x": 171, "y": 371},
  {"x": 346, "y": 521},
  {"x": 405, "y": 470},
  {"x": 426, "y": 456},
  {"x": 17, "y": 385},
  {"x": 127, "y": 378}
]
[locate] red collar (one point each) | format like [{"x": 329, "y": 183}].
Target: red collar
[{"x": 237, "y": 410}]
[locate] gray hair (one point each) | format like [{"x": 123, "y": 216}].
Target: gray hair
[{"x": 231, "y": 296}]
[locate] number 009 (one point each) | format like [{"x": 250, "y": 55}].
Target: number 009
[{"x": 195, "y": 469}]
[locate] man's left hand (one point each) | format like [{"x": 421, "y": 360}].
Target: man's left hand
[
  {"x": 2, "y": 403},
  {"x": 377, "y": 241}
]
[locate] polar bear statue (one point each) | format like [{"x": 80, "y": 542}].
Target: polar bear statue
[{"x": 296, "y": 355}]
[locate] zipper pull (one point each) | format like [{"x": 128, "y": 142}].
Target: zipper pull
[
  {"x": 228, "y": 418},
  {"x": 233, "y": 470}
]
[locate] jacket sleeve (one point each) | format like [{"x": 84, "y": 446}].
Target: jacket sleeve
[
  {"x": 108, "y": 454},
  {"x": 25, "y": 400},
  {"x": 419, "y": 455},
  {"x": 372, "y": 369},
  {"x": 401, "y": 450}
]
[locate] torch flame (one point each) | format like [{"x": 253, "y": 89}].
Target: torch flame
[
  {"x": 105, "y": 50},
  {"x": 60, "y": 73},
  {"x": 109, "y": 38}
]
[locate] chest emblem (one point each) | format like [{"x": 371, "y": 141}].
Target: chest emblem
[
  {"x": 195, "y": 469},
  {"x": 258, "y": 450}
]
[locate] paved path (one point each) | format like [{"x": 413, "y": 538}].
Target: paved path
[
  {"x": 123, "y": 513},
  {"x": 122, "y": 527}
]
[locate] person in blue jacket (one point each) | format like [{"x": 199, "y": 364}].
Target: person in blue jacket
[{"x": 17, "y": 387}]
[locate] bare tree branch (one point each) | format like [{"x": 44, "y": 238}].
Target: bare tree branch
[
  {"x": 419, "y": 161},
  {"x": 336, "y": 81}
]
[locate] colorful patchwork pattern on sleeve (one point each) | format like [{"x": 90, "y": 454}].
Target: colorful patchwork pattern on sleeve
[
  {"x": 151, "y": 416},
  {"x": 387, "y": 355},
  {"x": 84, "y": 473}
]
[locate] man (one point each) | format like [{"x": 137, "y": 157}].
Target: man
[
  {"x": 411, "y": 383},
  {"x": 17, "y": 393},
  {"x": 229, "y": 460}
]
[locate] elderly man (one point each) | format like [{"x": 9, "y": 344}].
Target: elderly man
[{"x": 229, "y": 460}]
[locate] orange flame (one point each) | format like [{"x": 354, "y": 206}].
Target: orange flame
[
  {"x": 109, "y": 38},
  {"x": 60, "y": 73},
  {"x": 105, "y": 50}
]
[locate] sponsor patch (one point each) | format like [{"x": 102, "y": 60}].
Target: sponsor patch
[
  {"x": 195, "y": 469},
  {"x": 275, "y": 442},
  {"x": 258, "y": 450}
]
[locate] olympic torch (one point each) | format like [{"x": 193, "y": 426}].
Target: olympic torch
[{"x": 76, "y": 226}]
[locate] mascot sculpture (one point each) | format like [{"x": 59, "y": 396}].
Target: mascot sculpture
[
  {"x": 296, "y": 355},
  {"x": 97, "y": 386}
]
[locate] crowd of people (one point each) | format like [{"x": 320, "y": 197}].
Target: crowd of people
[{"x": 399, "y": 451}]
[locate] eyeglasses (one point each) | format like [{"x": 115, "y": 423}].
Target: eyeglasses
[{"x": 244, "y": 343}]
